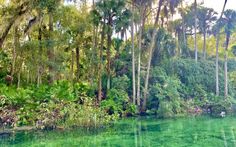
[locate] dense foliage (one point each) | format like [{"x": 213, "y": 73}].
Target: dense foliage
[{"x": 76, "y": 63}]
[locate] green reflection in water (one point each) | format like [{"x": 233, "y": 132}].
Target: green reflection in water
[{"x": 137, "y": 132}]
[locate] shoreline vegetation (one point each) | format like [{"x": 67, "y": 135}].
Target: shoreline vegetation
[
  {"x": 67, "y": 104},
  {"x": 66, "y": 64}
]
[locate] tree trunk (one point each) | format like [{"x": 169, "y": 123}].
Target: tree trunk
[
  {"x": 150, "y": 52},
  {"x": 21, "y": 10},
  {"x": 40, "y": 51},
  {"x": 4, "y": 35},
  {"x": 217, "y": 64},
  {"x": 133, "y": 57},
  {"x": 18, "y": 79},
  {"x": 77, "y": 64},
  {"x": 139, "y": 54},
  {"x": 226, "y": 74},
  {"x": 100, "y": 64},
  {"x": 217, "y": 51},
  {"x": 50, "y": 51},
  {"x": 195, "y": 30},
  {"x": 184, "y": 34},
  {"x": 183, "y": 26},
  {"x": 226, "y": 66},
  {"x": 72, "y": 66},
  {"x": 108, "y": 63},
  {"x": 15, "y": 46},
  {"x": 109, "y": 41},
  {"x": 28, "y": 76},
  {"x": 204, "y": 45},
  {"x": 94, "y": 52}
]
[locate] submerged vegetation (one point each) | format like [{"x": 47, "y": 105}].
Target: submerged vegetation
[{"x": 78, "y": 63}]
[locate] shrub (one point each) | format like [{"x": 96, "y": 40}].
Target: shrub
[
  {"x": 121, "y": 83},
  {"x": 191, "y": 74},
  {"x": 46, "y": 107},
  {"x": 117, "y": 102},
  {"x": 165, "y": 95}
]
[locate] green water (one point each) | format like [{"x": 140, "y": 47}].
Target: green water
[{"x": 137, "y": 132}]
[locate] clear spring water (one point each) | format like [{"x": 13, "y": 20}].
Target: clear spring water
[{"x": 137, "y": 132}]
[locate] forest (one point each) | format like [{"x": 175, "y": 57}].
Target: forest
[{"x": 78, "y": 63}]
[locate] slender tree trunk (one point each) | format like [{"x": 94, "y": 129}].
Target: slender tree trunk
[
  {"x": 150, "y": 52},
  {"x": 28, "y": 76},
  {"x": 50, "y": 51},
  {"x": 72, "y": 66},
  {"x": 19, "y": 70},
  {"x": 217, "y": 51},
  {"x": 195, "y": 30},
  {"x": 162, "y": 22},
  {"x": 226, "y": 66},
  {"x": 185, "y": 38},
  {"x": 77, "y": 64},
  {"x": 183, "y": 26},
  {"x": 135, "y": 28},
  {"x": 15, "y": 46},
  {"x": 100, "y": 64},
  {"x": 139, "y": 54},
  {"x": 133, "y": 58},
  {"x": 109, "y": 41},
  {"x": 179, "y": 44},
  {"x": 18, "y": 78},
  {"x": 217, "y": 64},
  {"x": 40, "y": 51},
  {"x": 108, "y": 62},
  {"x": 38, "y": 77},
  {"x": 94, "y": 52},
  {"x": 204, "y": 45},
  {"x": 226, "y": 73}
]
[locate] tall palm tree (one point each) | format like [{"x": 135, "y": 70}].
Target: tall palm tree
[
  {"x": 177, "y": 27},
  {"x": 142, "y": 10},
  {"x": 112, "y": 15},
  {"x": 133, "y": 56},
  {"x": 217, "y": 49},
  {"x": 151, "y": 48},
  {"x": 150, "y": 52},
  {"x": 230, "y": 21},
  {"x": 195, "y": 30},
  {"x": 206, "y": 17}
]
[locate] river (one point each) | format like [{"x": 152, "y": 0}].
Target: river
[{"x": 137, "y": 132}]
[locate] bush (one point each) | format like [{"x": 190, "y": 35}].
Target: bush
[
  {"x": 165, "y": 95},
  {"x": 117, "y": 102},
  {"x": 182, "y": 85},
  {"x": 121, "y": 83},
  {"x": 46, "y": 107},
  {"x": 191, "y": 74}
]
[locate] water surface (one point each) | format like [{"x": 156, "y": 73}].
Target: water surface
[{"x": 137, "y": 132}]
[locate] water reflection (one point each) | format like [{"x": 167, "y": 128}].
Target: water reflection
[{"x": 137, "y": 132}]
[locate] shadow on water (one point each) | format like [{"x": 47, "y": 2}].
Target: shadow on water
[{"x": 137, "y": 132}]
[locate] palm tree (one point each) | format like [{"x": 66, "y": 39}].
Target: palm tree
[
  {"x": 177, "y": 27},
  {"x": 150, "y": 52},
  {"x": 112, "y": 15},
  {"x": 151, "y": 48},
  {"x": 230, "y": 21},
  {"x": 217, "y": 48},
  {"x": 142, "y": 11},
  {"x": 195, "y": 29},
  {"x": 206, "y": 16},
  {"x": 113, "y": 12},
  {"x": 133, "y": 56}
]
